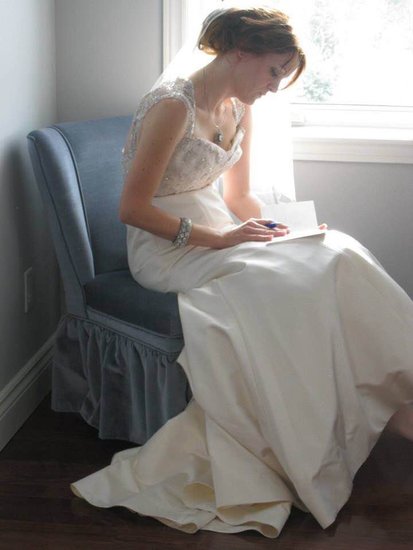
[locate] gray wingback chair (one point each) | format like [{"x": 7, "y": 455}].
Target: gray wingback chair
[{"x": 117, "y": 345}]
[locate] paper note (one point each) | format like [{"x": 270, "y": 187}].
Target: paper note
[
  {"x": 296, "y": 235},
  {"x": 299, "y": 216}
]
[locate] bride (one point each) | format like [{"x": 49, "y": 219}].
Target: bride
[{"x": 298, "y": 351}]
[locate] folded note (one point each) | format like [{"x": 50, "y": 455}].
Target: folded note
[{"x": 300, "y": 217}]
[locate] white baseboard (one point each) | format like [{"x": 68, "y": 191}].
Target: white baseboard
[{"x": 24, "y": 392}]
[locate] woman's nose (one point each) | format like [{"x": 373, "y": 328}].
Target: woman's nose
[{"x": 273, "y": 86}]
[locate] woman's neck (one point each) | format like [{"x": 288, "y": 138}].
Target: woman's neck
[{"x": 213, "y": 84}]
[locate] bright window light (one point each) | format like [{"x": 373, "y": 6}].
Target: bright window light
[
  {"x": 360, "y": 51},
  {"x": 354, "y": 103},
  {"x": 360, "y": 58}
]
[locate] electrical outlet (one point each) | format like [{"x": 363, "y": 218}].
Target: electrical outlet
[{"x": 28, "y": 289}]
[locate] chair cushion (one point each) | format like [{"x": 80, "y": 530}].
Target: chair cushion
[{"x": 119, "y": 295}]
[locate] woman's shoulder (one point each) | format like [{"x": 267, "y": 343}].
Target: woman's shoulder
[
  {"x": 170, "y": 94},
  {"x": 166, "y": 114}
]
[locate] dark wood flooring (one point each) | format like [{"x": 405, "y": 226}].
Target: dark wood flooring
[{"x": 38, "y": 511}]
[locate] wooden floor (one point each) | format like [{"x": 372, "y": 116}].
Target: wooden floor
[{"x": 38, "y": 511}]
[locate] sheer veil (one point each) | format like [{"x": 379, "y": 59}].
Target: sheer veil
[
  {"x": 271, "y": 154},
  {"x": 189, "y": 58}
]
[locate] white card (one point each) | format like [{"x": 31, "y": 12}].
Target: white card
[
  {"x": 299, "y": 216},
  {"x": 296, "y": 235}
]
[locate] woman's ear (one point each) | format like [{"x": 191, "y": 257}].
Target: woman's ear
[{"x": 241, "y": 55}]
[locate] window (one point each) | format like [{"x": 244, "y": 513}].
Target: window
[{"x": 358, "y": 85}]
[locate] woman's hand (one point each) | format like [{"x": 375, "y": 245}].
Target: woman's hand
[{"x": 253, "y": 229}]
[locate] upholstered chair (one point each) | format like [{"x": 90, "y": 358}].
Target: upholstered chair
[{"x": 117, "y": 344}]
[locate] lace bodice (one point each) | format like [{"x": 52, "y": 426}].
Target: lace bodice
[{"x": 196, "y": 162}]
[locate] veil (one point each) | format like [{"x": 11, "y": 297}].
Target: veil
[
  {"x": 189, "y": 58},
  {"x": 271, "y": 171}
]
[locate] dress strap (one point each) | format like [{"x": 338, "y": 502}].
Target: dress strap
[
  {"x": 180, "y": 89},
  {"x": 238, "y": 109}
]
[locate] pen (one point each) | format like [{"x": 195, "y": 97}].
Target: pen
[{"x": 271, "y": 225}]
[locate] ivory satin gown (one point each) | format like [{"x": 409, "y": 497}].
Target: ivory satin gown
[{"x": 297, "y": 353}]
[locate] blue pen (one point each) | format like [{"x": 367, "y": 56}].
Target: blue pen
[{"x": 271, "y": 225}]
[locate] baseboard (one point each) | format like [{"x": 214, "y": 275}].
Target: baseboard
[{"x": 24, "y": 392}]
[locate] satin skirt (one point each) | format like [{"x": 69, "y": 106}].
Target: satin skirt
[{"x": 297, "y": 353}]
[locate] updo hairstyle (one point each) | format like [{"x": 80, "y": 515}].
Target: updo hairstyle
[{"x": 252, "y": 30}]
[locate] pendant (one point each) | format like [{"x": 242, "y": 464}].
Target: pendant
[{"x": 219, "y": 137}]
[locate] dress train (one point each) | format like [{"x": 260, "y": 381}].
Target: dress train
[{"x": 299, "y": 353}]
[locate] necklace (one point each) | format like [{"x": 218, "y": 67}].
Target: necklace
[{"x": 219, "y": 134}]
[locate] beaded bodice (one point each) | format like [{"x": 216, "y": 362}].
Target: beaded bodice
[{"x": 196, "y": 162}]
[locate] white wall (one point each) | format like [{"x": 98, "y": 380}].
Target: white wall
[
  {"x": 372, "y": 202},
  {"x": 109, "y": 52},
  {"x": 27, "y": 101}
]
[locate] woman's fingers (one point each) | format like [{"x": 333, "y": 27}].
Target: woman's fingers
[
  {"x": 260, "y": 229},
  {"x": 265, "y": 234},
  {"x": 255, "y": 230},
  {"x": 271, "y": 224},
  {"x": 281, "y": 232},
  {"x": 270, "y": 227},
  {"x": 252, "y": 233}
]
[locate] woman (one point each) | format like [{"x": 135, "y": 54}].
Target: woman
[{"x": 298, "y": 352}]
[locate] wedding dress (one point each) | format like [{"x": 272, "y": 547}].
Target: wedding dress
[{"x": 298, "y": 352}]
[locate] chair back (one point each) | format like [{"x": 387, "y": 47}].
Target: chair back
[{"x": 78, "y": 170}]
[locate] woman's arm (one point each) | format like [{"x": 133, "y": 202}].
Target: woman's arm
[
  {"x": 162, "y": 129},
  {"x": 237, "y": 193}
]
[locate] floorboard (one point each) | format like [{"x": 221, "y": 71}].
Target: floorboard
[{"x": 38, "y": 511}]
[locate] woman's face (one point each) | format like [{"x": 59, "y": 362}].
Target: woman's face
[{"x": 259, "y": 74}]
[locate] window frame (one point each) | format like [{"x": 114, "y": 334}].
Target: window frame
[{"x": 338, "y": 133}]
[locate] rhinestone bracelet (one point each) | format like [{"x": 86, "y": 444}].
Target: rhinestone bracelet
[{"x": 183, "y": 234}]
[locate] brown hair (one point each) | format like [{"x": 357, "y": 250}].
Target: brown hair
[{"x": 253, "y": 30}]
